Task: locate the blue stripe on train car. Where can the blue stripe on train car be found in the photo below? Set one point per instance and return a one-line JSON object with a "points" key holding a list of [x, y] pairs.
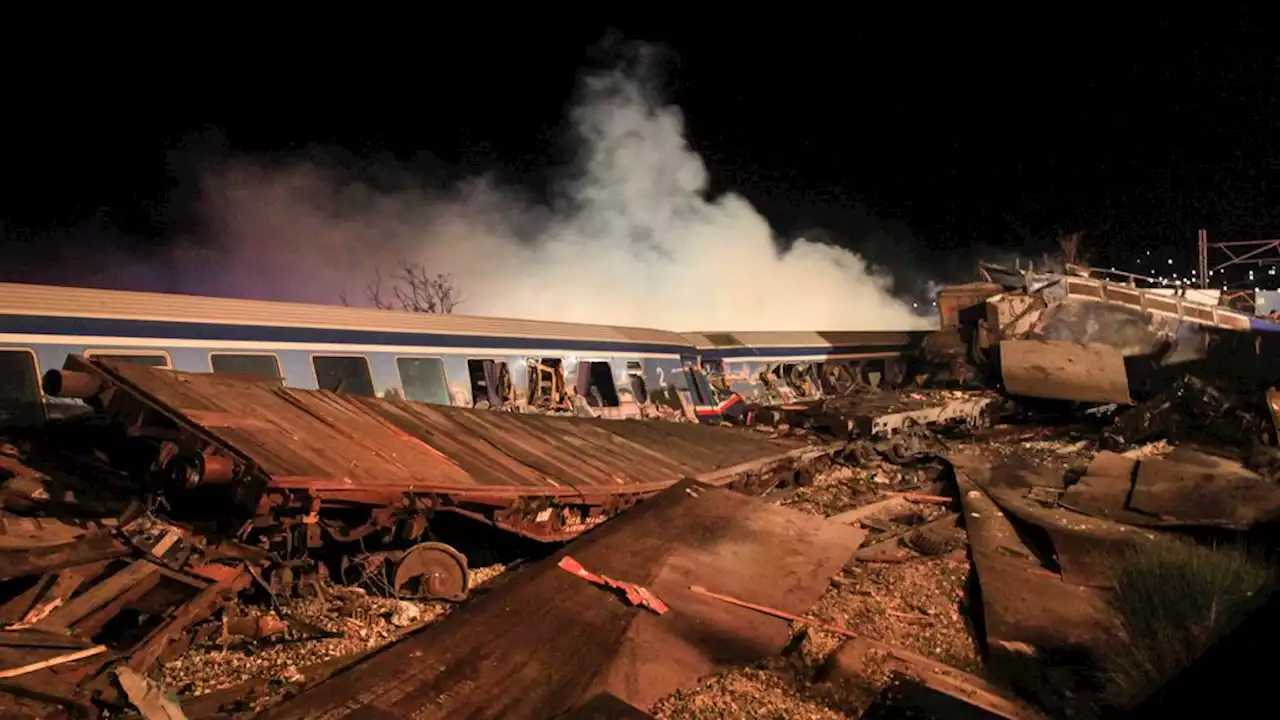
{"points": [[38, 325], [1264, 325]]}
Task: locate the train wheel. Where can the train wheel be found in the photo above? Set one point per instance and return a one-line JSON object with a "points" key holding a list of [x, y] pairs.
{"points": [[432, 571]]}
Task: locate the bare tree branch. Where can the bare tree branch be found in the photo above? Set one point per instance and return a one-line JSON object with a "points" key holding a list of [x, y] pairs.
{"points": [[414, 289]]}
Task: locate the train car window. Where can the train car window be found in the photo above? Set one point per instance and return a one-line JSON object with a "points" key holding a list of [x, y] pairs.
{"points": [[150, 360], [490, 383], [20, 402], [266, 366], [344, 373], [423, 379], [595, 383]]}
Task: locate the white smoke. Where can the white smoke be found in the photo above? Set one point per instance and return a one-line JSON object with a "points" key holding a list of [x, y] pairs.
{"points": [[637, 240]]}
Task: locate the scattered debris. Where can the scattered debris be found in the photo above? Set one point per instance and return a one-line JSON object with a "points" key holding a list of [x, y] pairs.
{"points": [[587, 643], [214, 545]]}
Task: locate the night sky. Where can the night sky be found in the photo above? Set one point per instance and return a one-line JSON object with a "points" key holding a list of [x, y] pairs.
{"points": [[975, 153]]}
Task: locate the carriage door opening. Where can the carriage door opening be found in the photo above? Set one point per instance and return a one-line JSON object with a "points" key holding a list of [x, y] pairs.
{"points": [[697, 382], [490, 383], [546, 383], [595, 383], [717, 381], [20, 403], [635, 373]]}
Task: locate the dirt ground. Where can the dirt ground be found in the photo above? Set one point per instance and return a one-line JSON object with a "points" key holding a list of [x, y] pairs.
{"points": [[345, 622], [919, 604]]}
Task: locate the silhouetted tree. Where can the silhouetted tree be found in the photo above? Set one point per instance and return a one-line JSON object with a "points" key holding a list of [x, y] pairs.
{"points": [[414, 289], [1070, 251]]}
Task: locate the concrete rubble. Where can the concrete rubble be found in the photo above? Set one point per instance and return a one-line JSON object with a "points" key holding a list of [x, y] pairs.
{"points": [[949, 548]]}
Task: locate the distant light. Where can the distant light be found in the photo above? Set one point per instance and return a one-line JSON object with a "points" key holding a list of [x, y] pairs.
{"points": [[1170, 261]]}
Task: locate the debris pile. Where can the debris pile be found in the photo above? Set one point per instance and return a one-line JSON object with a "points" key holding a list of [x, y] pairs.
{"points": [[217, 546], [229, 541]]}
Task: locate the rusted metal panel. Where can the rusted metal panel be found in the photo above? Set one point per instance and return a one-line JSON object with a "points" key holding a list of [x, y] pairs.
{"points": [[565, 640], [1062, 370], [955, 300], [282, 447]]}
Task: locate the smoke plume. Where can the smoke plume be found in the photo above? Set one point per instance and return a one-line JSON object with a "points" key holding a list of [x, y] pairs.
{"points": [[634, 238]]}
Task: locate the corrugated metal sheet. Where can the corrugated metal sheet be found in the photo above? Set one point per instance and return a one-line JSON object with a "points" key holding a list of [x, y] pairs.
{"points": [[545, 640], [325, 442], [22, 299]]}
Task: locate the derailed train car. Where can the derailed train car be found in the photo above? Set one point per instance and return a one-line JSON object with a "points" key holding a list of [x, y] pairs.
{"points": [[495, 363], [1082, 336], [774, 368]]}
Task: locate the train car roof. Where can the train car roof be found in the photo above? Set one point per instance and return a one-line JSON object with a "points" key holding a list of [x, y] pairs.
{"points": [[57, 301], [799, 339]]}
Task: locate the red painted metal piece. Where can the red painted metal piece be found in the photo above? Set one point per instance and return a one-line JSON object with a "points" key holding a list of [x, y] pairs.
{"points": [[636, 594]]}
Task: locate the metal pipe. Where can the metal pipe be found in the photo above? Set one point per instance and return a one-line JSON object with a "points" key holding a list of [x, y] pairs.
{"points": [[71, 384]]}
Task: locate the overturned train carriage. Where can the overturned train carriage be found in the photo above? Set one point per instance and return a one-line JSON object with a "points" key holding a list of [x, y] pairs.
{"points": [[1082, 337], [298, 472]]}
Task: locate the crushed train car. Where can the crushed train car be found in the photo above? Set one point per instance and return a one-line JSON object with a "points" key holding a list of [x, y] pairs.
{"points": [[294, 470], [1082, 336]]}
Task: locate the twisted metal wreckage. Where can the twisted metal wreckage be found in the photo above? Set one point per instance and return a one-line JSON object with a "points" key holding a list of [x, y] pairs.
{"points": [[250, 483], [183, 489]]}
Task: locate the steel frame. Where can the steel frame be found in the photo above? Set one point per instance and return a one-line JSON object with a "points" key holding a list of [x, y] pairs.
{"points": [[1239, 252]]}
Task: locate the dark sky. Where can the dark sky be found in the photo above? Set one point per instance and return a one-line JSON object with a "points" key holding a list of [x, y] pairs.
{"points": [[966, 147]]}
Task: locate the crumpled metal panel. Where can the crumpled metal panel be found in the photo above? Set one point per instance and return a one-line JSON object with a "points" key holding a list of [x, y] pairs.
{"points": [[1061, 370], [545, 640], [322, 441]]}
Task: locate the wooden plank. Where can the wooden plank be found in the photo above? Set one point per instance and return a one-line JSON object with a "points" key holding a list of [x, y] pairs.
{"points": [[96, 620], [99, 595], [95, 546], [856, 515], [35, 637], [201, 606]]}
